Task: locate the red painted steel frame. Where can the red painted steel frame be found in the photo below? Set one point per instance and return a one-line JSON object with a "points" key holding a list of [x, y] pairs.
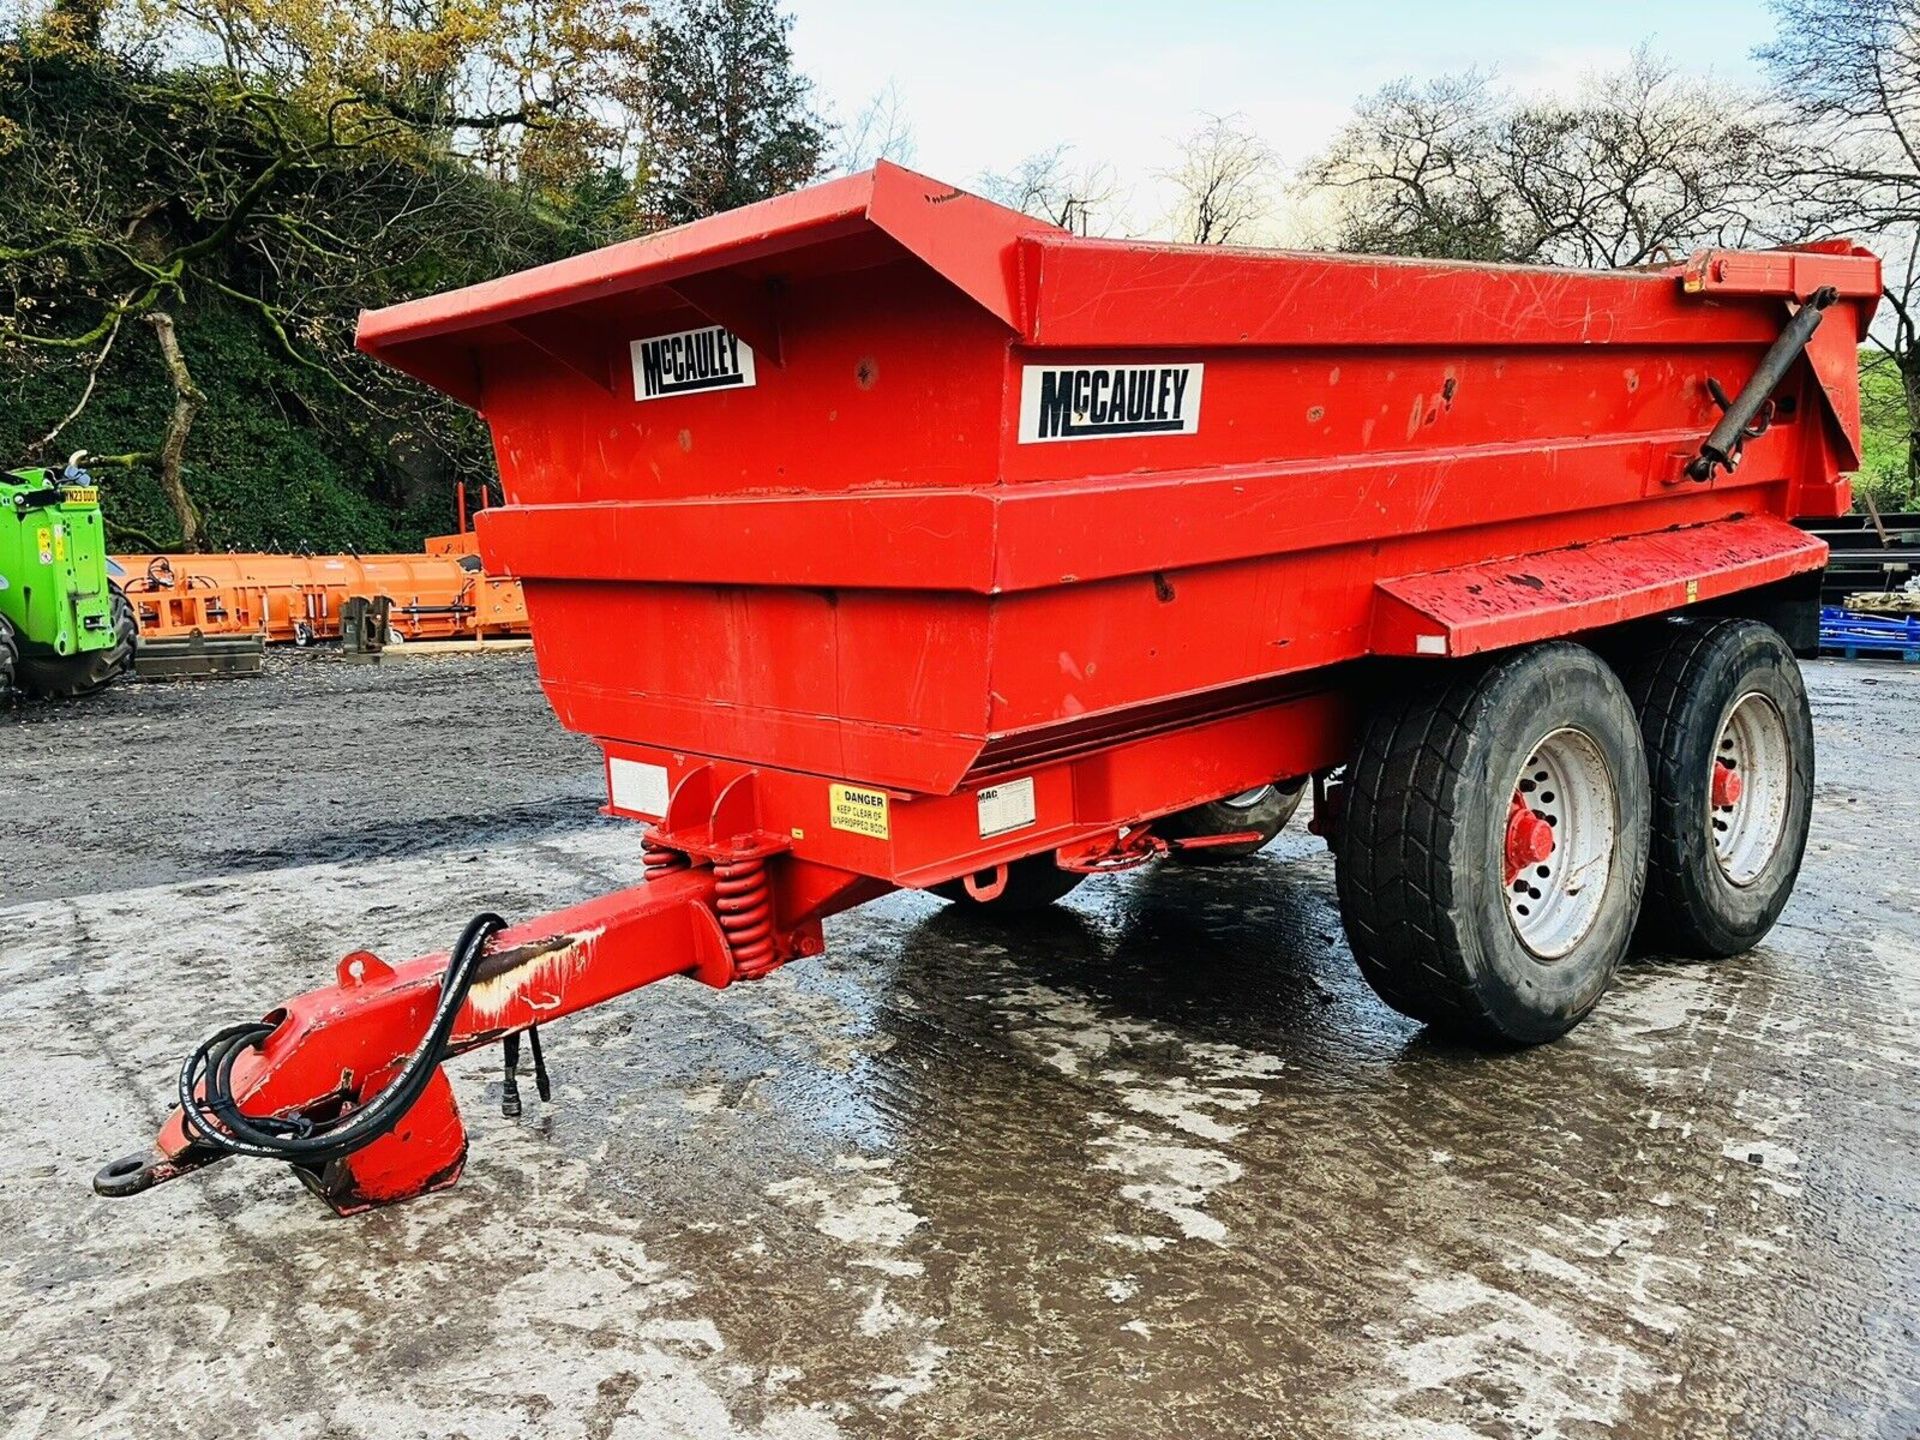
{"points": [[859, 619]]}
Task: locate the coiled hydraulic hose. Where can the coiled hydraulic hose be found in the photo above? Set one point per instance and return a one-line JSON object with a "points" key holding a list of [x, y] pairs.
{"points": [[215, 1118]]}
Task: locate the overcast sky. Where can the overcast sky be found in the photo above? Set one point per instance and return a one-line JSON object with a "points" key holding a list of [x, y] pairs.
{"points": [[989, 82]]}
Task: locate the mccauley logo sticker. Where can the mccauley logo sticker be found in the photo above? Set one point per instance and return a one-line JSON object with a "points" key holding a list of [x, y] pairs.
{"points": [[1104, 402], [711, 358]]}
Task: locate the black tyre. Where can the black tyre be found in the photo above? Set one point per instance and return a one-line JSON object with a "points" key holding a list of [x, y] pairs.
{"points": [[9, 659], [1265, 810], [1729, 741], [1032, 884], [81, 674], [1494, 845]]}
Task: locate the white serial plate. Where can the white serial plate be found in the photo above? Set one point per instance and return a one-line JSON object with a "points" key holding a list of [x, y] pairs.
{"points": [[1006, 807]]}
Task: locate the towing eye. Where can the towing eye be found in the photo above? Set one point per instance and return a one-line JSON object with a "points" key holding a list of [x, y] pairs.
{"points": [[215, 1121]]}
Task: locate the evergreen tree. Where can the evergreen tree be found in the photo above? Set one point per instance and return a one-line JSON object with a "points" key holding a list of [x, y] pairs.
{"points": [[730, 120]]}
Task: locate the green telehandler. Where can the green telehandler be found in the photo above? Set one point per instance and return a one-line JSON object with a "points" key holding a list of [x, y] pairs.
{"points": [[65, 628]]}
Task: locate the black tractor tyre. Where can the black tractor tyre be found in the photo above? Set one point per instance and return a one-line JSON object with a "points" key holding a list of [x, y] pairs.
{"points": [[1266, 811], [1718, 876], [9, 659], [82, 674], [126, 625], [1032, 884], [1422, 863]]}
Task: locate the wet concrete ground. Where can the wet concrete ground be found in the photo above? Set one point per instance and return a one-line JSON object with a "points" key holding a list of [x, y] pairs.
{"points": [[1156, 1165]]}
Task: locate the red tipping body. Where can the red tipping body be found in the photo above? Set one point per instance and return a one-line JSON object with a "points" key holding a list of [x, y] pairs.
{"points": [[992, 498]]}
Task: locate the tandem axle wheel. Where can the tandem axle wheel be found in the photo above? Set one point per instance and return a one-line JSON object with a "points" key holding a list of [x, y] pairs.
{"points": [[1575, 795]]}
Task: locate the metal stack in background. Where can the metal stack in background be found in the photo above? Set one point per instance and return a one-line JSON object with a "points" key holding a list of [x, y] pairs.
{"points": [[1870, 599]]}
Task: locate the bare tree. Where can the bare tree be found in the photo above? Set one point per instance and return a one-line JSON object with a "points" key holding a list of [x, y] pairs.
{"points": [[1640, 164], [1415, 171], [1048, 186], [881, 131], [1850, 70], [1223, 182]]}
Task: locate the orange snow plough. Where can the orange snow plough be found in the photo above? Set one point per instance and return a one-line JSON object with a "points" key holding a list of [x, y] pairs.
{"points": [[442, 594]]}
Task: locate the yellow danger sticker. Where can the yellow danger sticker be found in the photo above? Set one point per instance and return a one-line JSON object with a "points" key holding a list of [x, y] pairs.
{"points": [[854, 808]]}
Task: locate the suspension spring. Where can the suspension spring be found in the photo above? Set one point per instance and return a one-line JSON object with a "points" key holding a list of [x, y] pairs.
{"points": [[660, 860], [744, 904]]}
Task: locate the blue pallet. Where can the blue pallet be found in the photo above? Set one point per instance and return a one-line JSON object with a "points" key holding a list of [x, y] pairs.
{"points": [[1854, 633]]}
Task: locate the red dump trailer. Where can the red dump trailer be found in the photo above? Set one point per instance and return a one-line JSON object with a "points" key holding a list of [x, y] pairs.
{"points": [[884, 537]]}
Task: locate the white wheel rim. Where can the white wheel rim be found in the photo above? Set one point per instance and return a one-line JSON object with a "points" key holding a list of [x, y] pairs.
{"points": [[1247, 799], [1554, 900], [1753, 750]]}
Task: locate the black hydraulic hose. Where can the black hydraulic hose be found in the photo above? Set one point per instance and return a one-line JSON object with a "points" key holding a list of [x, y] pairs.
{"points": [[216, 1120]]}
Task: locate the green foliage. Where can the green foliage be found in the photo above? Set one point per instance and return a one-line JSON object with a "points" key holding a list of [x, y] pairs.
{"points": [[262, 228], [1883, 437], [276, 462], [317, 160]]}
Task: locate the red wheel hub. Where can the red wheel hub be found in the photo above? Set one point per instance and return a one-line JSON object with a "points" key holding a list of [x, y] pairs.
{"points": [[1727, 786], [1529, 839]]}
